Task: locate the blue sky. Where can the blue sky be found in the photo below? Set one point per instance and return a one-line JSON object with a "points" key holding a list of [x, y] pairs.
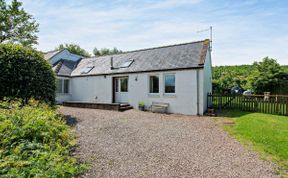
{"points": [[243, 31]]}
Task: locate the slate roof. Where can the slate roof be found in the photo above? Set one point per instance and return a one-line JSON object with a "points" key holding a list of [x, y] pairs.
{"points": [[48, 55], [64, 67], [180, 56]]}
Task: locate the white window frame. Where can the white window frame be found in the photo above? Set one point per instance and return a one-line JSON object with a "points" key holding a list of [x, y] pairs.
{"points": [[87, 69], [62, 86], [154, 94], [164, 80]]}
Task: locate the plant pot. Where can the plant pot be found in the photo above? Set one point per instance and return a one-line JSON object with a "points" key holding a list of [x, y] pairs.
{"points": [[141, 108]]}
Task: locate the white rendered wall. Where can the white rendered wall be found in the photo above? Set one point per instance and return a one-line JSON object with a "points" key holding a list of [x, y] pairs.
{"points": [[92, 88], [184, 101], [60, 98], [207, 79], [99, 89]]}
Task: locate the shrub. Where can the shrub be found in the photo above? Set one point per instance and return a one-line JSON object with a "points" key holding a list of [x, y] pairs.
{"points": [[24, 73], [141, 103], [35, 142]]}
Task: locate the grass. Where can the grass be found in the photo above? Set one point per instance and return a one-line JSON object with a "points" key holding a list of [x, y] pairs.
{"points": [[267, 134]]}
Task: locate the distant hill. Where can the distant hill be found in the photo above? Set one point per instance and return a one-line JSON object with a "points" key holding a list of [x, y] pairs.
{"points": [[225, 77]]}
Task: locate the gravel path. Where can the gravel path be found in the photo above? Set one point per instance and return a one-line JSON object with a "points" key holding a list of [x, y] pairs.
{"points": [[142, 144]]}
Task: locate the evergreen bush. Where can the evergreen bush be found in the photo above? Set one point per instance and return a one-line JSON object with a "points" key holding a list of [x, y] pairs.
{"points": [[24, 73]]}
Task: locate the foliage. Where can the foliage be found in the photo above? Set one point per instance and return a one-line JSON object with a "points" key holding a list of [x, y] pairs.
{"points": [[106, 51], [141, 103], [75, 49], [285, 69], [25, 73], [266, 77], [226, 77], [35, 142], [16, 25], [267, 133]]}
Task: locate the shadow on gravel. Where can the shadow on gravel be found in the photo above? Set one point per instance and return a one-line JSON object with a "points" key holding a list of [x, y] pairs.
{"points": [[71, 121]]}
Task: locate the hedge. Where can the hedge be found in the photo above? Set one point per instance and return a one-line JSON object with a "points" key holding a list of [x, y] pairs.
{"points": [[24, 73]]}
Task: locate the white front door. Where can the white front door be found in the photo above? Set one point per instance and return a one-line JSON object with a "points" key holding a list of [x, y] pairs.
{"points": [[121, 90]]}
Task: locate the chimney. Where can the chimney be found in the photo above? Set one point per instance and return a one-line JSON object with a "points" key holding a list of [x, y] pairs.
{"points": [[111, 63]]}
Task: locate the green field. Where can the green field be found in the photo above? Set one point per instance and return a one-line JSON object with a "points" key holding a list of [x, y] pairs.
{"points": [[267, 134]]}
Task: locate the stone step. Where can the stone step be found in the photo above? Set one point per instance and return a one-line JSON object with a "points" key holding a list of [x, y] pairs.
{"points": [[125, 107], [124, 104]]}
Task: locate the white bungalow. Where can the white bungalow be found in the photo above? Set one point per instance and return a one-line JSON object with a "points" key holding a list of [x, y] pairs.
{"points": [[179, 75]]}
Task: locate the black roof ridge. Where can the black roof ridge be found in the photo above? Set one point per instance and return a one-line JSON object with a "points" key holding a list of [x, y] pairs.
{"points": [[146, 49]]}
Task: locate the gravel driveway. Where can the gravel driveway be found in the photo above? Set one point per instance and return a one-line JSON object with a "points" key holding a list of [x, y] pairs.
{"points": [[142, 144]]}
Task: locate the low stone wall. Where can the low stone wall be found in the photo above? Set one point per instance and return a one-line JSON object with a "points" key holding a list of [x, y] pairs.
{"points": [[80, 104]]}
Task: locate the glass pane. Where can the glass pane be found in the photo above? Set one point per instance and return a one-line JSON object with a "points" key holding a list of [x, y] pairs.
{"points": [[127, 64], [58, 85], [154, 84], [124, 84], [87, 69], [169, 83], [66, 86]]}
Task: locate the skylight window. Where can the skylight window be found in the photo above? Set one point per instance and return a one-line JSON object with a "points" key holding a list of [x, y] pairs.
{"points": [[87, 69], [127, 63]]}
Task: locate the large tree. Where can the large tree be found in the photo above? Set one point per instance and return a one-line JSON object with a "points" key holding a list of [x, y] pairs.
{"points": [[266, 78], [106, 51], [74, 48], [16, 25]]}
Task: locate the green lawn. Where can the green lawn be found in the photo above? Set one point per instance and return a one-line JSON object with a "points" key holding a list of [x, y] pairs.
{"points": [[267, 134]]}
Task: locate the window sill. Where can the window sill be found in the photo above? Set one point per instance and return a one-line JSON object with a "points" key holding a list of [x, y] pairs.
{"points": [[169, 95], [154, 95]]}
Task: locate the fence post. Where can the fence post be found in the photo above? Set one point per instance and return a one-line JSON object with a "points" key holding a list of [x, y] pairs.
{"points": [[277, 109], [256, 104], [287, 106], [207, 101], [220, 106]]}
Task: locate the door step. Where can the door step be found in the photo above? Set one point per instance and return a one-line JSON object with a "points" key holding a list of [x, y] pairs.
{"points": [[124, 107]]}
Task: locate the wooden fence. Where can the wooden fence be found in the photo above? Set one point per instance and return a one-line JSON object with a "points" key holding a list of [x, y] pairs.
{"points": [[272, 104]]}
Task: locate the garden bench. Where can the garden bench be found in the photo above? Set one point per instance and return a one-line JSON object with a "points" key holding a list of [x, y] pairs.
{"points": [[159, 107]]}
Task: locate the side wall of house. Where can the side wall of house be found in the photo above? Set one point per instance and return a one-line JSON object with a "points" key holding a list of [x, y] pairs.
{"points": [[99, 89], [207, 85]]}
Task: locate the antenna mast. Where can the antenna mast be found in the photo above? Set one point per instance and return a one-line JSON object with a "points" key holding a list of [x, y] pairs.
{"points": [[210, 38], [205, 30]]}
